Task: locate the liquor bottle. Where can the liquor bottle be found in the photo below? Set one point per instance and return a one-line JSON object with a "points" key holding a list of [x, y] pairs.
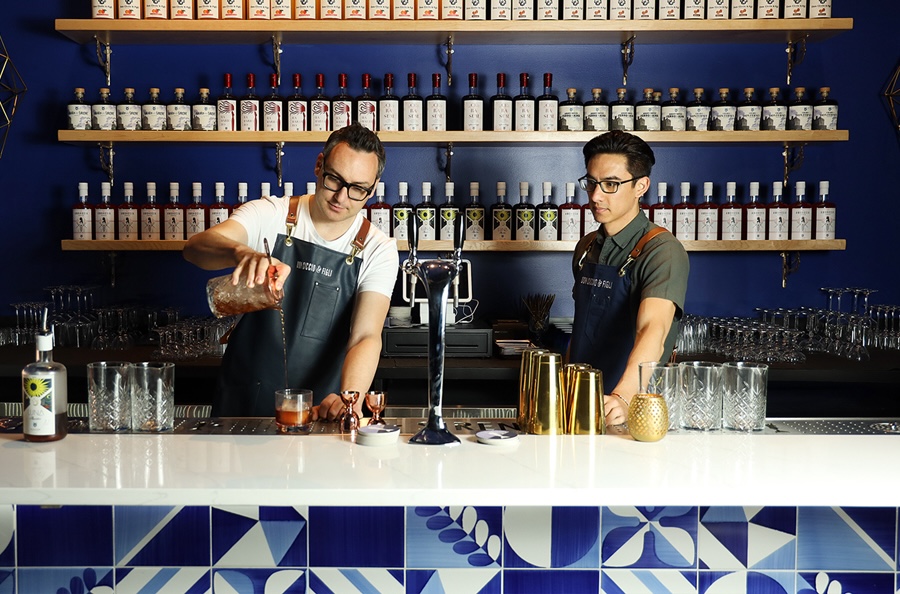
{"points": [[341, 105], [78, 111], [473, 107], [473, 215], [127, 215], [203, 112], [436, 107], [755, 216], [411, 105], [587, 216], [571, 112], [242, 194], [749, 112], [825, 111], [197, 214], [389, 107], [570, 216], [320, 107], [548, 107], [774, 112], [44, 391], [825, 214], [178, 113], [273, 107], [673, 113], [151, 223], [661, 213], [297, 108], [523, 106], [128, 112], [103, 112], [82, 215], [596, 112], [380, 211], [524, 215], [800, 111], [722, 113], [226, 108], [249, 106], [426, 214], [685, 215], [621, 112], [547, 215], [104, 215], [402, 213], [801, 214], [367, 105], [220, 210], [697, 112], [501, 107], [779, 214], [501, 215], [153, 112], [448, 215], [708, 215], [731, 215], [173, 215], [647, 113]]}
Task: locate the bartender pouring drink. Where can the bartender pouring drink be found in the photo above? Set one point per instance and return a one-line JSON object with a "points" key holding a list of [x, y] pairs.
{"points": [[337, 273], [630, 275]]}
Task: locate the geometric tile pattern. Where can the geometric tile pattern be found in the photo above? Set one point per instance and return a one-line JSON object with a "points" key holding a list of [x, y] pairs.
{"points": [[352, 581], [250, 536], [88, 541], [747, 537], [259, 581], [650, 537], [162, 536], [557, 537], [43, 580], [7, 537], [172, 580], [847, 538], [345, 537], [657, 581], [844, 583], [746, 582], [464, 536], [462, 581]]}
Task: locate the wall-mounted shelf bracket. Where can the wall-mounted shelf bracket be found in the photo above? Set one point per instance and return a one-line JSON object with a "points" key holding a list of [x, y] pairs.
{"points": [[446, 164], [627, 58], [107, 156], [279, 156], [276, 57], [796, 51], [104, 54], [793, 159], [448, 62], [790, 263]]}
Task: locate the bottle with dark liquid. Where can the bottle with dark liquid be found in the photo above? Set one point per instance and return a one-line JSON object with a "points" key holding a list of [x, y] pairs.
{"points": [[320, 107], [448, 214], [647, 113], [673, 113], [203, 112], [436, 107], [297, 108], [825, 213], [44, 392], [178, 112], [779, 214], [547, 215], [523, 106], [389, 107], [128, 112], [226, 108], [473, 107], [426, 213], [78, 111], [151, 220], [749, 112], [570, 216], [412, 106], [800, 111], [825, 111], [661, 213], [722, 113], [708, 215], [220, 210], [501, 215], [401, 213], [685, 215], [548, 107], [621, 112], [380, 211], [755, 215], [571, 112], [731, 215], [587, 216], [774, 112], [103, 112], [524, 216], [153, 112], [501, 107], [173, 215], [801, 214], [127, 215], [273, 107], [104, 215], [249, 107], [697, 112], [341, 105], [473, 215], [596, 112], [82, 215], [367, 105], [197, 214]]}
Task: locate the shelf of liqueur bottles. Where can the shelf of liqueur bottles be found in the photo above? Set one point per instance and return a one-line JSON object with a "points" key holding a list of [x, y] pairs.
{"points": [[456, 137], [492, 246], [463, 32]]}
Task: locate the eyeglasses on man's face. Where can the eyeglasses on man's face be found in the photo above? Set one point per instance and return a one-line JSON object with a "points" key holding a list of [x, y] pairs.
{"points": [[607, 186], [336, 183]]}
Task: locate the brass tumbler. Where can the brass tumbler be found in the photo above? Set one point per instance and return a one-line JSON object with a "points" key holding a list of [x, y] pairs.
{"points": [[545, 403], [584, 401], [526, 381], [648, 417]]}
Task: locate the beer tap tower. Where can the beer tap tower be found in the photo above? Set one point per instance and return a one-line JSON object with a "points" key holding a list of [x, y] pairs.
{"points": [[436, 276]]}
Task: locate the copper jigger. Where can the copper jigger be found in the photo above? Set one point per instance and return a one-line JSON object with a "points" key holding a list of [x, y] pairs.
{"points": [[526, 377], [546, 415], [648, 417], [586, 415]]}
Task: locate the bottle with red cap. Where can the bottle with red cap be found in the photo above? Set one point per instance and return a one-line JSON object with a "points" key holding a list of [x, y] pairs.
{"points": [[501, 106], [412, 107], [473, 107], [436, 107], [320, 107], [273, 107], [389, 107], [297, 108], [523, 106], [249, 107], [226, 108], [548, 107], [341, 105], [366, 106]]}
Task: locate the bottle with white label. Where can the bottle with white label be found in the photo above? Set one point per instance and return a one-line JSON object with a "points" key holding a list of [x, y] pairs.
{"points": [[103, 112], [380, 212], [795, 9], [242, 194], [742, 9], [749, 112], [130, 9], [673, 113], [501, 107], [774, 112], [694, 9], [647, 113], [426, 213], [523, 106], [436, 107], [297, 108], [273, 107], [153, 112], [621, 112], [82, 215], [341, 105], [755, 216], [127, 214], [768, 9], [669, 9], [825, 214], [448, 214], [501, 215], [547, 107], [151, 222], [708, 215], [208, 9], [779, 214], [128, 112], [402, 213], [45, 401], [79, 111], [259, 10], [249, 107], [801, 214], [661, 213], [366, 105], [717, 9], [722, 113], [311, 188], [644, 10], [571, 112], [570, 216], [233, 9], [524, 215], [104, 215], [178, 112], [685, 215], [818, 9], [474, 215], [197, 214], [220, 210], [596, 112], [697, 112], [825, 111], [203, 112], [547, 215], [731, 215], [173, 215], [265, 189], [620, 10], [389, 107], [182, 10], [411, 106], [800, 111], [156, 9], [473, 107], [226, 108], [320, 107]]}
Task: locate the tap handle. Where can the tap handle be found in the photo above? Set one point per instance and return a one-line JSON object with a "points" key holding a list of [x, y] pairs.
{"points": [[413, 234], [459, 235]]}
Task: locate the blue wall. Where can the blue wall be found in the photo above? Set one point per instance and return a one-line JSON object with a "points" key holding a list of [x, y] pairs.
{"points": [[39, 176]]}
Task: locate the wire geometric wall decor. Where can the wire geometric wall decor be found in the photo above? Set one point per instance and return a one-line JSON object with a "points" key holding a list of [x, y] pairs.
{"points": [[11, 87], [892, 94]]}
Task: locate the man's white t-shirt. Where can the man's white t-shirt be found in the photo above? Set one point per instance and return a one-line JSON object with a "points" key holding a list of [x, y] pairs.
{"points": [[265, 218]]}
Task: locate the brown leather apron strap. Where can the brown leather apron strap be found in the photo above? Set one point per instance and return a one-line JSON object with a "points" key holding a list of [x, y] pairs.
{"points": [[640, 247], [290, 221], [359, 242]]}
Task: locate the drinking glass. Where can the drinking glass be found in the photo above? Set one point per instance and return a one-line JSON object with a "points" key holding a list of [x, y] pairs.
{"points": [[293, 410], [153, 397], [744, 395], [663, 379], [376, 401], [109, 396], [701, 395]]}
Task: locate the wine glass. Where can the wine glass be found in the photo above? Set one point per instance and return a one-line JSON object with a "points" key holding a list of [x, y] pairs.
{"points": [[376, 400]]}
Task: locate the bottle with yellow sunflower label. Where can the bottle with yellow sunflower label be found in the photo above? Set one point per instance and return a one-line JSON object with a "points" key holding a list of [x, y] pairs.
{"points": [[44, 393]]}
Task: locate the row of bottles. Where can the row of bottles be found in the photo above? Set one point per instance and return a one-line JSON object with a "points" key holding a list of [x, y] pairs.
{"points": [[412, 112], [754, 220], [459, 9]]}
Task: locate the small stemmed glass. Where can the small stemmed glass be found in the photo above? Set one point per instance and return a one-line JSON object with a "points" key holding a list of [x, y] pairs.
{"points": [[349, 420], [375, 400]]}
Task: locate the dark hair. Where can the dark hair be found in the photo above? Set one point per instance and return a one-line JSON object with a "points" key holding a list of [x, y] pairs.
{"points": [[359, 138], [638, 154]]}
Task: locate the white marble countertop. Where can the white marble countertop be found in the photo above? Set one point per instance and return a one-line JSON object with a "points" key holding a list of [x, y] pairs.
{"points": [[719, 468]]}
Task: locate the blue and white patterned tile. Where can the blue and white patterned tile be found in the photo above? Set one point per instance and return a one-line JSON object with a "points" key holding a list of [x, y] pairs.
{"points": [[551, 537], [259, 581], [540, 581], [845, 583], [7, 536], [746, 582], [162, 536], [88, 541], [7, 581], [649, 537], [846, 539], [356, 536], [648, 581], [457, 581], [171, 580], [747, 537], [253, 536], [69, 580], [355, 581], [463, 536]]}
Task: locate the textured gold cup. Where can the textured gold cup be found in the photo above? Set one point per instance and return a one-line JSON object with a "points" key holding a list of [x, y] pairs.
{"points": [[648, 417], [526, 381], [586, 415], [546, 415]]}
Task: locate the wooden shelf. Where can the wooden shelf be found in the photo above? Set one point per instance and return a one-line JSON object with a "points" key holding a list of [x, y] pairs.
{"points": [[71, 245], [463, 32]]}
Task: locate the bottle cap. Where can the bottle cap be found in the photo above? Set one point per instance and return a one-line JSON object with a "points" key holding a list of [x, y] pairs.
{"points": [[648, 91], [501, 188], [411, 79], [128, 188], [82, 188], [571, 91], [296, 79], [320, 80], [596, 91], [220, 188], [204, 91], [448, 189], [754, 188], [523, 79], [724, 91], [173, 188], [730, 188], [823, 187], [366, 80], [547, 188], [273, 80], [570, 188], [774, 90], [403, 188], [777, 188], [799, 90], [501, 79], [151, 188], [154, 90], [426, 188], [674, 90], [707, 188], [474, 188], [548, 79], [749, 90], [242, 188], [310, 187], [473, 79], [265, 189], [43, 341], [825, 89], [662, 188], [621, 90], [379, 190], [288, 188], [227, 79], [342, 79], [130, 90], [104, 90], [179, 91], [685, 188], [800, 187], [523, 188], [698, 91], [79, 90], [104, 188], [197, 188], [251, 80], [388, 80]]}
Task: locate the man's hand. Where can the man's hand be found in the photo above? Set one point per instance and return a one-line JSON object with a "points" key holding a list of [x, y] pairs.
{"points": [[332, 406], [253, 269]]}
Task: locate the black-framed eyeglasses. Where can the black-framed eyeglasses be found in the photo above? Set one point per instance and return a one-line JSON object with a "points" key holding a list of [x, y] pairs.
{"points": [[607, 186], [355, 192]]}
